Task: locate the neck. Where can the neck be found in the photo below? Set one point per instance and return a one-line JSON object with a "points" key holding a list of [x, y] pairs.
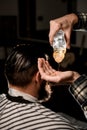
{"points": [[13, 93], [29, 89]]}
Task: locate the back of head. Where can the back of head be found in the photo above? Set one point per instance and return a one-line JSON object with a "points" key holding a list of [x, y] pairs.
{"points": [[21, 64]]}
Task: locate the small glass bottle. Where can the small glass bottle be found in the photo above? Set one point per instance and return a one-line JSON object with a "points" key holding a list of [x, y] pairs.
{"points": [[59, 46]]}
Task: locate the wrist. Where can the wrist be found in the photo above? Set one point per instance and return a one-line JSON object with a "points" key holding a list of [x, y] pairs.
{"points": [[76, 75], [74, 18]]}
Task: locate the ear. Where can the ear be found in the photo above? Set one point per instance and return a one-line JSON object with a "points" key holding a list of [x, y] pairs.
{"points": [[38, 77]]}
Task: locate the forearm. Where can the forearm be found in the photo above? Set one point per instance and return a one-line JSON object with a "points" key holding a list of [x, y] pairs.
{"points": [[79, 91]]}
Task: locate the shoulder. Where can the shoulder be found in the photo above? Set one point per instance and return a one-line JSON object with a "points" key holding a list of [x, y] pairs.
{"points": [[2, 97]]}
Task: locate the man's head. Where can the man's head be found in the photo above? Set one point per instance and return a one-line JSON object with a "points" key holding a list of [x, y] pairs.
{"points": [[21, 65]]}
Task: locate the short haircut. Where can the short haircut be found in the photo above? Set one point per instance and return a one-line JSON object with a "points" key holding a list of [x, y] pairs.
{"points": [[21, 64]]}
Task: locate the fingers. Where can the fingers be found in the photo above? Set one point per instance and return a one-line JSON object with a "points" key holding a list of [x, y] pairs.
{"points": [[67, 38], [41, 65], [46, 71], [44, 67], [49, 68], [54, 27]]}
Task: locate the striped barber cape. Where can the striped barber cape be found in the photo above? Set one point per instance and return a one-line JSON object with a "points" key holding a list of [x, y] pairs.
{"points": [[19, 114]]}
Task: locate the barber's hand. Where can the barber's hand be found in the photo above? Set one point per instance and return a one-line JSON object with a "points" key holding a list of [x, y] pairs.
{"points": [[66, 24], [51, 75]]}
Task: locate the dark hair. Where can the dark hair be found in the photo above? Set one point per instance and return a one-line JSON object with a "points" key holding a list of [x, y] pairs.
{"points": [[21, 64]]}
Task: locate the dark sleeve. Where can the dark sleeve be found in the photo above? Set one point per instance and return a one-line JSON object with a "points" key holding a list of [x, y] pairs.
{"points": [[82, 21], [79, 91]]}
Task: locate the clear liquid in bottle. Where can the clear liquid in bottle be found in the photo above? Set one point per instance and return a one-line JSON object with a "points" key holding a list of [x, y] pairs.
{"points": [[59, 46]]}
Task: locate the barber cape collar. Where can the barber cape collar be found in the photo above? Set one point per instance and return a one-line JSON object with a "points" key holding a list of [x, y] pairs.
{"points": [[17, 96]]}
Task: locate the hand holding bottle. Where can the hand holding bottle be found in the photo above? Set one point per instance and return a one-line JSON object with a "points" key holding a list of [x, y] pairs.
{"points": [[65, 23]]}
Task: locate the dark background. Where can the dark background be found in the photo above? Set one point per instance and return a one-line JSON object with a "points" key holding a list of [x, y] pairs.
{"points": [[27, 21]]}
